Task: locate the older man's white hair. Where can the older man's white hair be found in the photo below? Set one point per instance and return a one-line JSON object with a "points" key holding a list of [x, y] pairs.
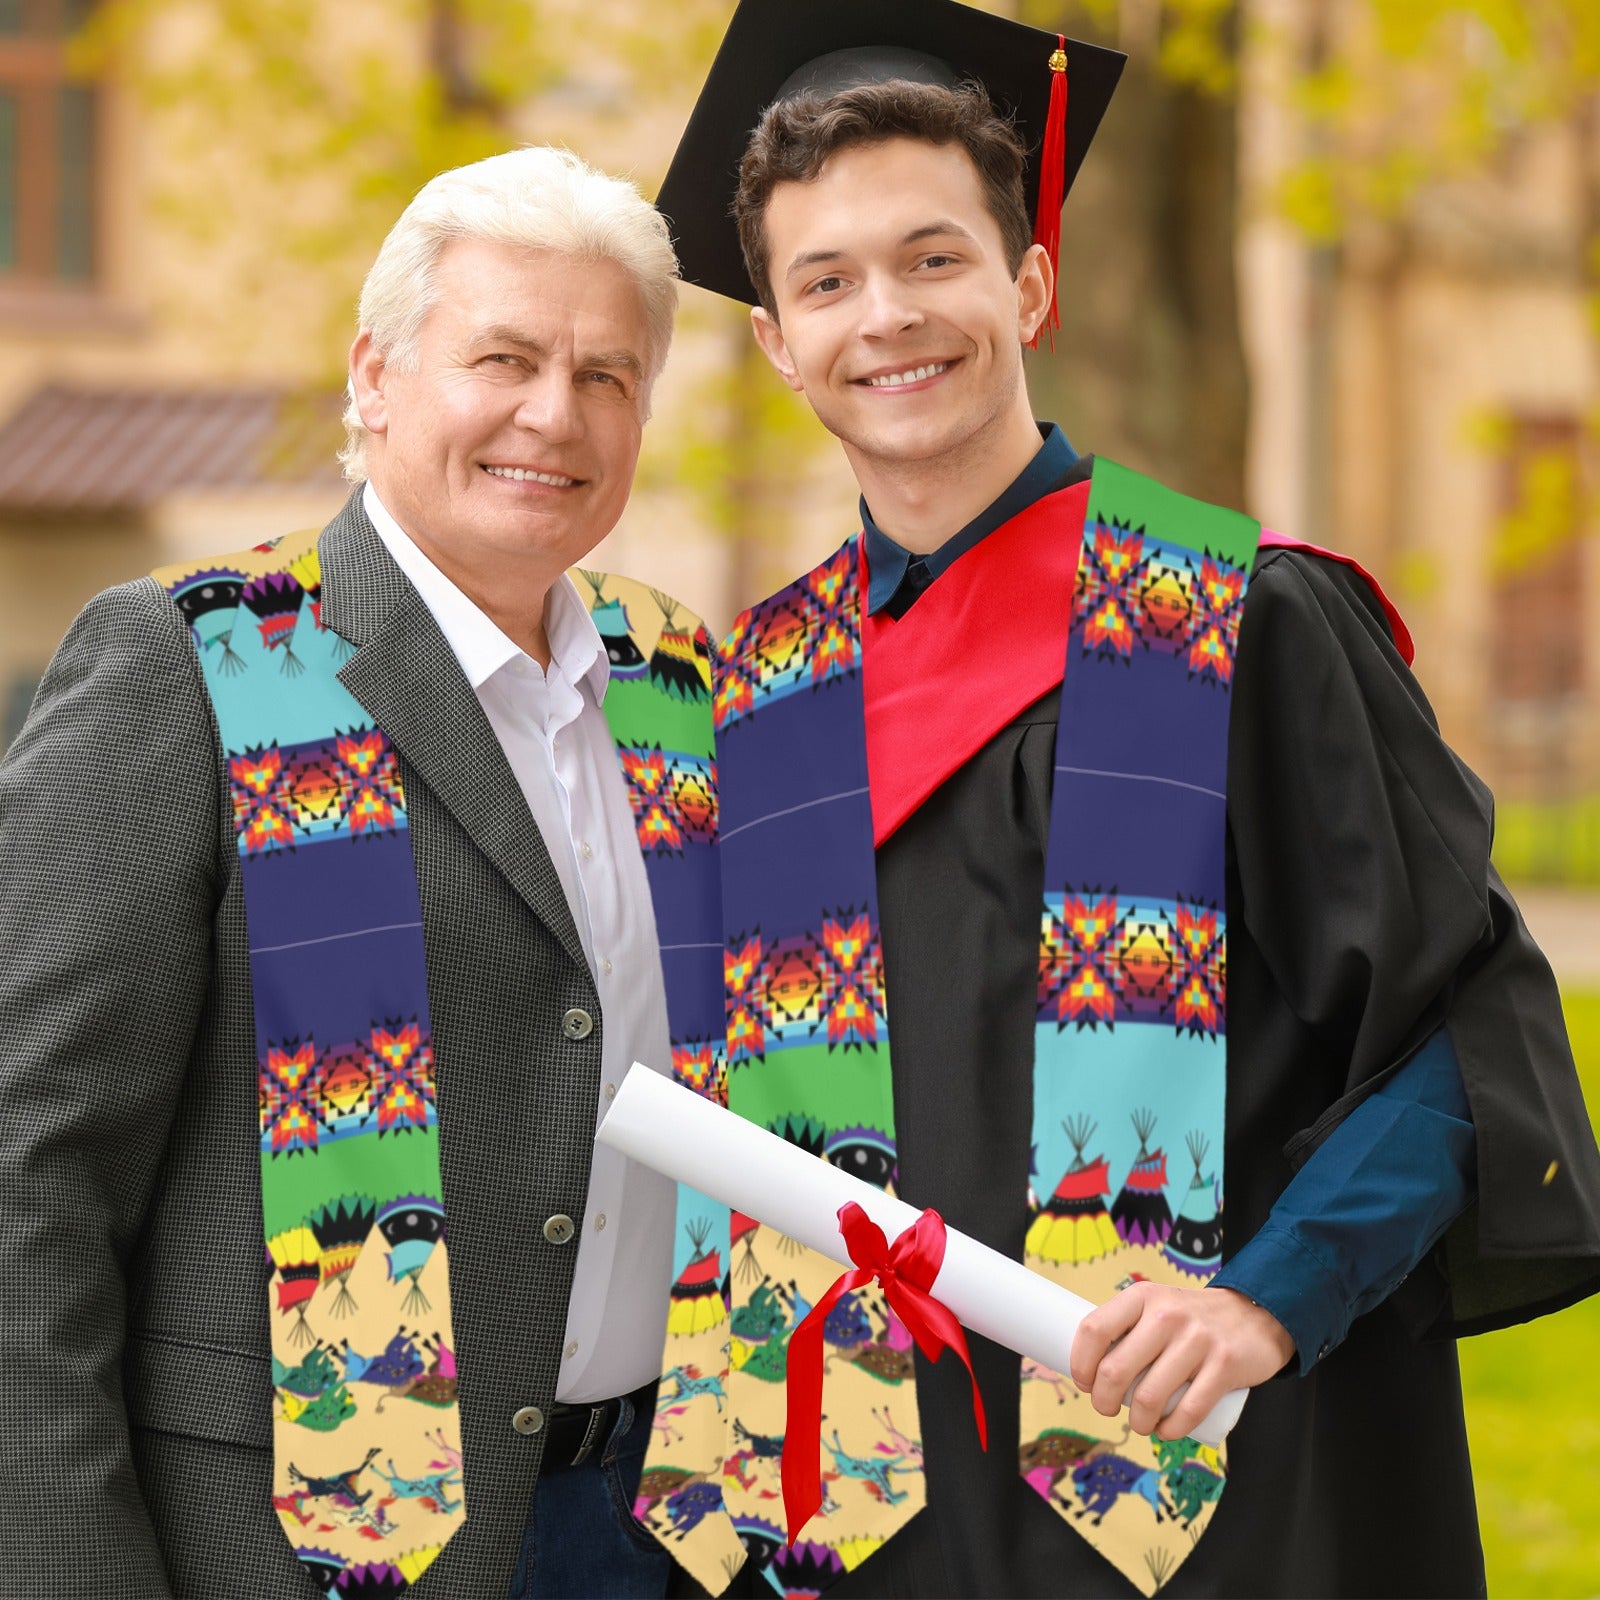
{"points": [[538, 197]]}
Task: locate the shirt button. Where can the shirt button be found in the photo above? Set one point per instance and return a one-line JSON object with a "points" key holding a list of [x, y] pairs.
{"points": [[559, 1229], [577, 1023], [530, 1419], [611, 1091], [588, 851], [600, 1223], [572, 1350], [607, 968]]}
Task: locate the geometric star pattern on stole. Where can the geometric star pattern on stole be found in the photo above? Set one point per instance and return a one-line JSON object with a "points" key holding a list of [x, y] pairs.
{"points": [[348, 785], [701, 1065], [673, 797], [1159, 594], [789, 990], [306, 1096], [800, 638], [1133, 591], [1201, 987], [291, 1120], [403, 1095], [1104, 960], [262, 811]]}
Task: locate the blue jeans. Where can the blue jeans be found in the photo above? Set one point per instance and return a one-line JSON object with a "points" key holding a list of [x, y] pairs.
{"points": [[582, 1541]]}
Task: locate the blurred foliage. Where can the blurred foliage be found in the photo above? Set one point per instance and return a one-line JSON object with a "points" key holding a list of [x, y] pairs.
{"points": [[1395, 95], [1549, 842], [326, 137], [1533, 1422], [1553, 501], [1551, 504], [327, 119], [1416, 575], [1195, 42]]}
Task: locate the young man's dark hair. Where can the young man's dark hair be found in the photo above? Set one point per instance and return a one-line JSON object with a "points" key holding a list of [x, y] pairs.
{"points": [[796, 137]]}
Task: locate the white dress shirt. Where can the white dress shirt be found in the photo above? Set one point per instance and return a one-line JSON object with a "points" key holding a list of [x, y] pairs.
{"points": [[554, 734]]}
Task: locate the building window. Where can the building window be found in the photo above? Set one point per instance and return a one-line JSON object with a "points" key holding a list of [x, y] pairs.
{"points": [[48, 137], [1537, 560]]}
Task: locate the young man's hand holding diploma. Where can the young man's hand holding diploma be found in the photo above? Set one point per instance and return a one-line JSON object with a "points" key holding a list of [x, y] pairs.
{"points": [[1212, 1339]]}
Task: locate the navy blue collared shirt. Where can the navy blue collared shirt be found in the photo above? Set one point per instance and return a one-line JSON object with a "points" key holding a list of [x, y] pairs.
{"points": [[1379, 1192], [897, 577]]}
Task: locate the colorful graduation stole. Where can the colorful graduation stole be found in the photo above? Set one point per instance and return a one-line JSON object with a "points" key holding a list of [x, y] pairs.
{"points": [[367, 1475], [1131, 1037], [674, 796], [367, 1441], [1130, 1030]]}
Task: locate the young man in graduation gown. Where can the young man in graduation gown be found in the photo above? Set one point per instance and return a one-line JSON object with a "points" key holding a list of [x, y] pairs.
{"points": [[1126, 832], [326, 878]]}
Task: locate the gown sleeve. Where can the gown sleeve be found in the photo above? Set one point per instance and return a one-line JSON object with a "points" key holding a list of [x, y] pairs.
{"points": [[1360, 844]]}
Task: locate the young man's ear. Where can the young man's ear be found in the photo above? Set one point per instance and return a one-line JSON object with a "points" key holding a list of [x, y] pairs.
{"points": [[1036, 283], [774, 347], [366, 383]]}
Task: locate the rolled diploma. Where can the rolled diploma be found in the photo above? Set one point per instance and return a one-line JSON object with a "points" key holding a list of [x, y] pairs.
{"points": [[684, 1136]]}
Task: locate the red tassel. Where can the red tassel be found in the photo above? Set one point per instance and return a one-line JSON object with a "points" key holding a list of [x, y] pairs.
{"points": [[1052, 183]]}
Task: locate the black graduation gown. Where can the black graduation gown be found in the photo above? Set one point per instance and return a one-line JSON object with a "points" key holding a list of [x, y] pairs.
{"points": [[1363, 911]]}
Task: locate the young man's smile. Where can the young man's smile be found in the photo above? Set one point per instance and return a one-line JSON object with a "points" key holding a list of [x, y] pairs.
{"points": [[904, 380]]}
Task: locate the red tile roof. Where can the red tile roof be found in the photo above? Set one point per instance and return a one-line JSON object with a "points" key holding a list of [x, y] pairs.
{"points": [[88, 450]]}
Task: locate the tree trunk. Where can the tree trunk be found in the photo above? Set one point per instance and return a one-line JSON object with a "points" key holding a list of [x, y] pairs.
{"points": [[1148, 367]]}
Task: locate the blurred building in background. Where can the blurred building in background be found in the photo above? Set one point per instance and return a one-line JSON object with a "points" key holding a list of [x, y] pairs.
{"points": [[175, 308], [191, 189], [123, 444], [1426, 396]]}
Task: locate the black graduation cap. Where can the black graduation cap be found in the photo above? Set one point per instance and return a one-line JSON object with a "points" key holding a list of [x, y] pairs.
{"points": [[777, 48]]}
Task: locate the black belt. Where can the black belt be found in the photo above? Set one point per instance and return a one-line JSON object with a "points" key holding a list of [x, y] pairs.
{"points": [[574, 1433]]}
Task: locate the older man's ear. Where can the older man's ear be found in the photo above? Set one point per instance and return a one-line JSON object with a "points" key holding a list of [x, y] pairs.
{"points": [[366, 380]]}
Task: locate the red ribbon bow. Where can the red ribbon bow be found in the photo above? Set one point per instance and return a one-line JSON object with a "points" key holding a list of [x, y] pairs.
{"points": [[907, 1270]]}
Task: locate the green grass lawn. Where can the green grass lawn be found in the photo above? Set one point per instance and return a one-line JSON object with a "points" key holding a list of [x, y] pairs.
{"points": [[1533, 1413]]}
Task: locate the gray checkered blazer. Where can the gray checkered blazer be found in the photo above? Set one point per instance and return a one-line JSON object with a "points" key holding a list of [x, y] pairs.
{"points": [[133, 1291]]}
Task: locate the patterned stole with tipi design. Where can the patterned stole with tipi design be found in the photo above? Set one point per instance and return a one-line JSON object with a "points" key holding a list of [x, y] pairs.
{"points": [[367, 1479], [367, 1476], [1129, 1040], [1130, 1037]]}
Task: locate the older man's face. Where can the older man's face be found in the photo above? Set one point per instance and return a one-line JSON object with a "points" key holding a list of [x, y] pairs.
{"points": [[511, 447]]}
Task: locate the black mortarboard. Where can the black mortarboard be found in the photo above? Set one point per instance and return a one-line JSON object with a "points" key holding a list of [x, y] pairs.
{"points": [[777, 48]]}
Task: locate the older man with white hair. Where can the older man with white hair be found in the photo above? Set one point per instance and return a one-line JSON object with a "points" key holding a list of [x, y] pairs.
{"points": [[340, 880]]}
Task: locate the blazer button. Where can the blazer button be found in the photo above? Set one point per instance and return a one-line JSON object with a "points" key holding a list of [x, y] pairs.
{"points": [[577, 1024], [560, 1229], [530, 1419]]}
